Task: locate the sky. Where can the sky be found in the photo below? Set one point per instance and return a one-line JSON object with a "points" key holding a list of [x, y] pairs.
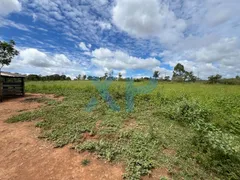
{"points": [[134, 37]]}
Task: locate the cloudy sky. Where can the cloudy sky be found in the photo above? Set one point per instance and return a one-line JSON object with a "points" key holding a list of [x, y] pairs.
{"points": [[134, 37]]}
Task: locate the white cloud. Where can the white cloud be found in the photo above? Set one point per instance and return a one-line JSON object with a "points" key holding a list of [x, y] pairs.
{"points": [[220, 11], [8, 23], [163, 71], [102, 2], [34, 16], [98, 72], [9, 6], [34, 61], [83, 46], [104, 25], [222, 57], [87, 53], [35, 58], [119, 60], [148, 18], [226, 51]]}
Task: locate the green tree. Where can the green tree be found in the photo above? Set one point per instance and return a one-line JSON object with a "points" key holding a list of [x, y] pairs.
{"points": [[189, 76], [90, 78], [167, 78], [179, 73], [7, 53], [111, 74], [237, 77], [84, 77], [214, 79], [156, 74], [105, 76], [119, 75], [79, 77]]}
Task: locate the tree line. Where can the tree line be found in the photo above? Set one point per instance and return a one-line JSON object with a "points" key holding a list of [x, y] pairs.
{"points": [[181, 75], [54, 77]]}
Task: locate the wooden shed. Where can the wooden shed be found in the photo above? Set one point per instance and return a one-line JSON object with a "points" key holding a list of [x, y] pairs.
{"points": [[11, 84]]}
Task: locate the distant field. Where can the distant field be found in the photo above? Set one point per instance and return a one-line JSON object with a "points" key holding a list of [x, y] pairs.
{"points": [[193, 130]]}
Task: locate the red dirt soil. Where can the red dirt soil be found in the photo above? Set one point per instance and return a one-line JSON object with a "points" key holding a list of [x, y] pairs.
{"points": [[25, 157]]}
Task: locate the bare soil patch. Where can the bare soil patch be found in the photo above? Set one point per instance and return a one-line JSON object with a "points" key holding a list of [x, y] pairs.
{"points": [[169, 152], [25, 157], [157, 174], [130, 124]]}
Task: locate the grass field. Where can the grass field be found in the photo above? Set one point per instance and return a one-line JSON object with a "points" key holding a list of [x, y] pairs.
{"points": [[193, 130]]}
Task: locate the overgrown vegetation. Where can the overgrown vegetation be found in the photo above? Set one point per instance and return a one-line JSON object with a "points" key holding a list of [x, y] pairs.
{"points": [[200, 122]]}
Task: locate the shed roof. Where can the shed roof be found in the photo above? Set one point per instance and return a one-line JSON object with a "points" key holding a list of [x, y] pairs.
{"points": [[8, 74]]}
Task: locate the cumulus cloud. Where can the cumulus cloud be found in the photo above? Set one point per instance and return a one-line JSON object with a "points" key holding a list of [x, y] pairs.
{"points": [[221, 57], [32, 60], [148, 18], [220, 11], [163, 71], [35, 58], [9, 6], [225, 51], [119, 60]]}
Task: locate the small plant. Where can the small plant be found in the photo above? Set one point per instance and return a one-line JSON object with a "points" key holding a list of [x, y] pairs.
{"points": [[163, 178], [85, 162]]}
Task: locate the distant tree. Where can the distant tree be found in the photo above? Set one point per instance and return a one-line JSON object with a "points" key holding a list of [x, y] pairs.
{"points": [[54, 77], [189, 76], [79, 77], [214, 79], [146, 78], [63, 77], [179, 70], [179, 73], [156, 74], [7, 53], [111, 74], [105, 76], [84, 77], [33, 77], [90, 78], [119, 75], [167, 78], [237, 77]]}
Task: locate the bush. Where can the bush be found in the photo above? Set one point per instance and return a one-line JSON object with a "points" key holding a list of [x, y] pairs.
{"points": [[186, 112]]}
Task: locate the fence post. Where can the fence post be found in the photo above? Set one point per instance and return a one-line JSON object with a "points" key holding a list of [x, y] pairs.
{"points": [[23, 87], [1, 89]]}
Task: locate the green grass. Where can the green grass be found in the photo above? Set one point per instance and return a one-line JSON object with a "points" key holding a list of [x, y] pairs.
{"points": [[200, 122], [85, 162]]}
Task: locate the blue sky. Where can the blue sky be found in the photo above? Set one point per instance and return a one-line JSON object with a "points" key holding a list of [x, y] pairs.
{"points": [[134, 37]]}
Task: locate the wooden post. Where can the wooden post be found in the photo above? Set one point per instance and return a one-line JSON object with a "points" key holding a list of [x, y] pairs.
{"points": [[1, 90], [23, 88]]}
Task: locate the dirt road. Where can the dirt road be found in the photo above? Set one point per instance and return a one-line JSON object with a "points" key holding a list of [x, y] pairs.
{"points": [[25, 157]]}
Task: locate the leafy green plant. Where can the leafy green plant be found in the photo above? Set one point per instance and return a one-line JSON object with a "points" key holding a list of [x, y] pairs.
{"points": [[85, 162]]}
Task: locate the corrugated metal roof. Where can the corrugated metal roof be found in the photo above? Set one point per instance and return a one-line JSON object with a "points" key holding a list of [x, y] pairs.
{"points": [[8, 74]]}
